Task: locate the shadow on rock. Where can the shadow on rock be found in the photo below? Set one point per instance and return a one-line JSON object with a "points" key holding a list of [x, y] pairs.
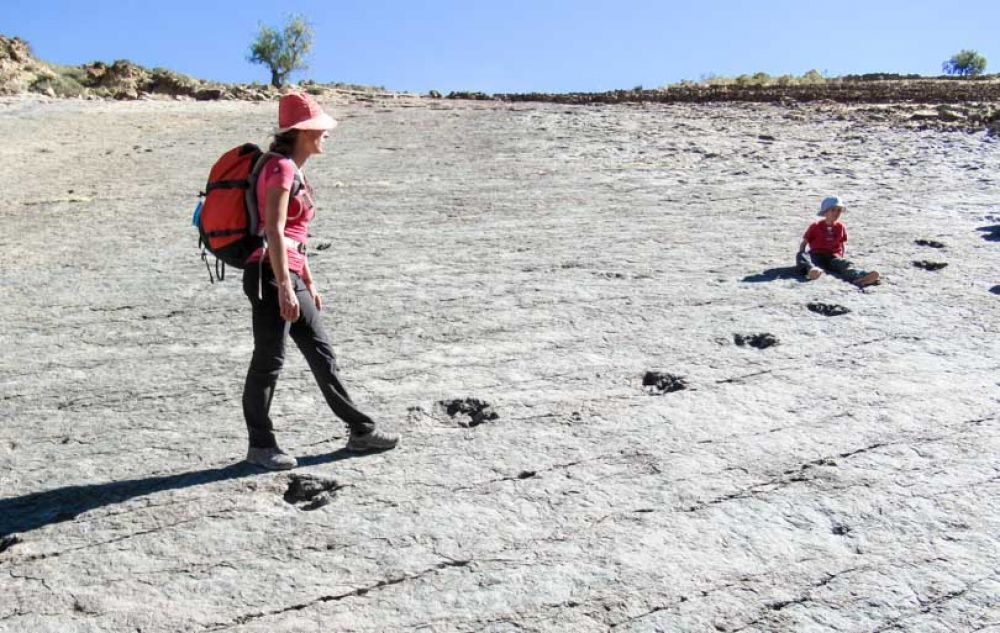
{"points": [[658, 383], [827, 309], [929, 243], [311, 491], [991, 233], [927, 265], [468, 412], [774, 274], [757, 341], [38, 509]]}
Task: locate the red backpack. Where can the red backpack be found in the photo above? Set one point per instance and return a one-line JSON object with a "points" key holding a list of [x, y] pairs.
{"points": [[227, 219]]}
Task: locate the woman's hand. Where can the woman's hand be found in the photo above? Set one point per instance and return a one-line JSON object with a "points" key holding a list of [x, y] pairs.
{"points": [[314, 294], [288, 304]]}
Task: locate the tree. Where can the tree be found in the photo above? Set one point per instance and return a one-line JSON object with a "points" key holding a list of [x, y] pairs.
{"points": [[283, 53], [968, 63]]}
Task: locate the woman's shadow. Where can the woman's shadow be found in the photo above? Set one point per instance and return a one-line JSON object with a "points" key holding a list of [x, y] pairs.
{"points": [[38, 509]]}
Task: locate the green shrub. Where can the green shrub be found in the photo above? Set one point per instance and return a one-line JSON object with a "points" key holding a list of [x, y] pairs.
{"points": [[761, 79], [165, 81], [967, 63], [813, 77], [64, 81]]}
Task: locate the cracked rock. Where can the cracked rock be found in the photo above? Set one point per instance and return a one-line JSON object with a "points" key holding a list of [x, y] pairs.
{"points": [[469, 412], [310, 490], [827, 309], [928, 265], [929, 243], [658, 383], [758, 341]]}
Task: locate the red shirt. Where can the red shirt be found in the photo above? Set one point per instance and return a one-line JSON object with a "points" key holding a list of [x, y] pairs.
{"points": [[279, 173], [826, 238]]}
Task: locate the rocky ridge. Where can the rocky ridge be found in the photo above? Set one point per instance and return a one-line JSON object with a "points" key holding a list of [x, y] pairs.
{"points": [[22, 73]]}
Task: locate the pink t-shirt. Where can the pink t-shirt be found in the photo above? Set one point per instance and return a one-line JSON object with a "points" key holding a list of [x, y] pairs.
{"points": [[279, 173]]}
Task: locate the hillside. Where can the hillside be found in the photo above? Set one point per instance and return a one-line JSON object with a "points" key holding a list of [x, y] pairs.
{"points": [[22, 73]]}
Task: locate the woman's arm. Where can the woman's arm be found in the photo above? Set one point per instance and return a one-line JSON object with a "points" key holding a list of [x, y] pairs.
{"points": [[275, 215], [310, 286]]}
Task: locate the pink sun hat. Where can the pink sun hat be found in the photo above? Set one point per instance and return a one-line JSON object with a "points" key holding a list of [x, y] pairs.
{"points": [[298, 111]]}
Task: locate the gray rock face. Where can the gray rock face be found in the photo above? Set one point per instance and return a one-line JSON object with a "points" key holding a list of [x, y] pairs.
{"points": [[539, 258]]}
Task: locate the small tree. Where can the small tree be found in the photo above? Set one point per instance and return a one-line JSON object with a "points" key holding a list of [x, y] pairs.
{"points": [[813, 77], [283, 53], [967, 63]]}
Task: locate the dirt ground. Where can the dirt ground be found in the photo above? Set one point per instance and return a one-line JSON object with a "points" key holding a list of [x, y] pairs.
{"points": [[542, 259]]}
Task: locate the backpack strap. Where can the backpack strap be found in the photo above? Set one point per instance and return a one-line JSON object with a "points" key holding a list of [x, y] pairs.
{"points": [[298, 184]]}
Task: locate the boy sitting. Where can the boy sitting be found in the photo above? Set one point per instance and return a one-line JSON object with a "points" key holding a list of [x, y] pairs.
{"points": [[826, 239]]}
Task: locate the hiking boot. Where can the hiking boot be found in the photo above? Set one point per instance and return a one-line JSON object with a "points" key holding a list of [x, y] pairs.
{"points": [[271, 458], [370, 442], [866, 280], [814, 274]]}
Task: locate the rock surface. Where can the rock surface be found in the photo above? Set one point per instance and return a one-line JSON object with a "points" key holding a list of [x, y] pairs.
{"points": [[540, 258]]}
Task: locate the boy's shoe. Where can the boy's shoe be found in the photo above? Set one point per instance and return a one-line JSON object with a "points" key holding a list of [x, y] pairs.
{"points": [[814, 274], [373, 441], [271, 458], [866, 280]]}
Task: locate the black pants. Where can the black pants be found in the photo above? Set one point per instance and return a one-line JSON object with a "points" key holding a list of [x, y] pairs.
{"points": [[269, 335], [828, 262]]}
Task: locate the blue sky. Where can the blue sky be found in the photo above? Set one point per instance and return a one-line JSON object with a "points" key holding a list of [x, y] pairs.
{"points": [[516, 45]]}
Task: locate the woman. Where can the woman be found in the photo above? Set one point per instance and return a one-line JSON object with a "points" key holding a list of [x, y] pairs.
{"points": [[282, 293]]}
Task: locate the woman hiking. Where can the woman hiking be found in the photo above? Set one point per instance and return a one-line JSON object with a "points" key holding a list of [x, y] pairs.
{"points": [[282, 294]]}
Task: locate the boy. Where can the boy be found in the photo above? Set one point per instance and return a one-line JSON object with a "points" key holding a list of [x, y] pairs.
{"points": [[826, 240]]}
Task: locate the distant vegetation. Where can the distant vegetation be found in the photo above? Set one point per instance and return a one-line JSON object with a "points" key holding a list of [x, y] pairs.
{"points": [[283, 52], [967, 63], [810, 78]]}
